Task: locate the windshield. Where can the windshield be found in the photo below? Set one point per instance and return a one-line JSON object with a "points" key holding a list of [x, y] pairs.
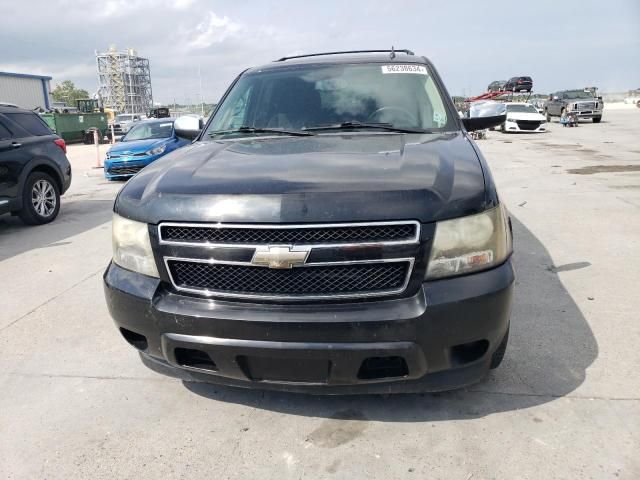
{"points": [[124, 118], [577, 94], [145, 131], [403, 96], [521, 108]]}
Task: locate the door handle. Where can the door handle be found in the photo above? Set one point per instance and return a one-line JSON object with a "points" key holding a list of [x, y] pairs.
{"points": [[15, 145]]}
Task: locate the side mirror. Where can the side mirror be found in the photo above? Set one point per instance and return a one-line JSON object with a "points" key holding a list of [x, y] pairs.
{"points": [[481, 123], [188, 126]]}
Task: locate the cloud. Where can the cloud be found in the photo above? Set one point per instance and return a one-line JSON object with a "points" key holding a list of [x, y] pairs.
{"points": [[213, 29], [181, 4], [181, 36]]}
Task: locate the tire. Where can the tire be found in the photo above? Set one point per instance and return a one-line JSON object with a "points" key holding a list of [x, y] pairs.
{"points": [[597, 119], [498, 355], [40, 199]]}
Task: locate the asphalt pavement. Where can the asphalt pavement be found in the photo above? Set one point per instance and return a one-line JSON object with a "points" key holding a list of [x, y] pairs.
{"points": [[75, 401]]}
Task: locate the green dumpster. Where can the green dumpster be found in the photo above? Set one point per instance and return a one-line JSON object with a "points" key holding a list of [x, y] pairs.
{"points": [[77, 127]]}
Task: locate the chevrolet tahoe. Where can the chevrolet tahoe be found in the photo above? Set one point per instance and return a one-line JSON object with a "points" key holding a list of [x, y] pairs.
{"points": [[331, 229]]}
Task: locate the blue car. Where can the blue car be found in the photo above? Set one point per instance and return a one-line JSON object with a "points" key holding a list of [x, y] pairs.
{"points": [[144, 143]]}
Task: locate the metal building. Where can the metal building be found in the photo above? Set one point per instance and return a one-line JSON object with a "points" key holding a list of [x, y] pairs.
{"points": [[124, 81], [24, 90]]}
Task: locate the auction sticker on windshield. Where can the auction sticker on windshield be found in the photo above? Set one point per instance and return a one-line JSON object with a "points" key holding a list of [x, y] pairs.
{"points": [[419, 69]]}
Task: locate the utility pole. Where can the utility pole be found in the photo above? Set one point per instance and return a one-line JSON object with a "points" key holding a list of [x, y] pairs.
{"points": [[201, 99]]}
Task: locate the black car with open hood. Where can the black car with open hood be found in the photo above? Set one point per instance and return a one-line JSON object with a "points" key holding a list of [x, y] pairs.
{"points": [[332, 229]]}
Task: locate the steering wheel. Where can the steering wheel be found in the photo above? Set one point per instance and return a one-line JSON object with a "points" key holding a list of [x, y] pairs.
{"points": [[409, 116]]}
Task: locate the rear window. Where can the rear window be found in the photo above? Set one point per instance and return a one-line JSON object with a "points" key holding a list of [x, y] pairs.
{"points": [[30, 122]]}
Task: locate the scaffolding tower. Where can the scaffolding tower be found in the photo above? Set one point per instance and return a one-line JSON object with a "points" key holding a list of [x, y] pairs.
{"points": [[124, 81]]}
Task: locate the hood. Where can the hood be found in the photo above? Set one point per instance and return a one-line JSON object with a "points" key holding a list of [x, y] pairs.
{"points": [[526, 116], [136, 146], [322, 178]]}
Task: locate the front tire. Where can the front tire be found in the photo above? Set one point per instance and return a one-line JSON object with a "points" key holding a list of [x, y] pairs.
{"points": [[40, 199], [597, 119]]}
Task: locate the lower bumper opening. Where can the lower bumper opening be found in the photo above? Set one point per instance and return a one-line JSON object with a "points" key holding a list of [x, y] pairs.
{"points": [[468, 352], [135, 339], [374, 368], [192, 358]]}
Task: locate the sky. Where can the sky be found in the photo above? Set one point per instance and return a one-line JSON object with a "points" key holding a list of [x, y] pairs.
{"points": [[560, 43]]}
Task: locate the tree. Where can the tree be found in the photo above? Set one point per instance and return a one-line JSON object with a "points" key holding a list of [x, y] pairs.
{"points": [[68, 93]]}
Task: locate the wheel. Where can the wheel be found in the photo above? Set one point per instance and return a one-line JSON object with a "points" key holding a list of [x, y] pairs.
{"points": [[498, 355], [597, 119], [40, 199]]}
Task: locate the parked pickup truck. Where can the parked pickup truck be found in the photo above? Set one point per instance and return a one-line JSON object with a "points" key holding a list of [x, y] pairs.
{"points": [[332, 229], [584, 103]]}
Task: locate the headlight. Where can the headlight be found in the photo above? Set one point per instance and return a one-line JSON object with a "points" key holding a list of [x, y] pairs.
{"points": [[513, 120], [469, 244], [131, 246], [157, 150]]}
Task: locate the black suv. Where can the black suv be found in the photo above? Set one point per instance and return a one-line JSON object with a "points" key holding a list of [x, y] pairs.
{"points": [[333, 229], [519, 84], [34, 170]]}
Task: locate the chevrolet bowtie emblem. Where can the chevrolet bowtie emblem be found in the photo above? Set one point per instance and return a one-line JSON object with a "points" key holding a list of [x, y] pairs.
{"points": [[280, 257]]}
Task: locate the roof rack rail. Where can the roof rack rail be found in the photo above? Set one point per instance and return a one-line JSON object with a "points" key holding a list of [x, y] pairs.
{"points": [[408, 52]]}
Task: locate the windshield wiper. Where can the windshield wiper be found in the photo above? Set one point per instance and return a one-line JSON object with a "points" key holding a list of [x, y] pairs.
{"points": [[353, 125], [246, 129]]}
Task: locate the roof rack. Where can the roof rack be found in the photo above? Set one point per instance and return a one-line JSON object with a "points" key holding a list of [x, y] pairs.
{"points": [[408, 52]]}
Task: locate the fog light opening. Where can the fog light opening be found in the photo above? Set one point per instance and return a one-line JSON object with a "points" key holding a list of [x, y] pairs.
{"points": [[135, 339], [190, 357], [374, 368], [468, 352]]}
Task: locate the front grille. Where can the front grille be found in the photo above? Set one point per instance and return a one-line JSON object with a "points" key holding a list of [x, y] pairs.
{"points": [[320, 234], [124, 170], [313, 281], [585, 105], [528, 124]]}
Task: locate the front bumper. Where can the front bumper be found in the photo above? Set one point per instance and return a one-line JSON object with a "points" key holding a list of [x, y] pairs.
{"points": [[112, 165], [441, 338], [513, 127], [587, 113]]}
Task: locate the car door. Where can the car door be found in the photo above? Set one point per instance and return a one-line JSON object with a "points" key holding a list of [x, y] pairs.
{"points": [[29, 139], [5, 158], [12, 158]]}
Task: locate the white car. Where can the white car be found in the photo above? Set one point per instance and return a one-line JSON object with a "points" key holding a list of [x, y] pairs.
{"points": [[523, 117], [633, 97]]}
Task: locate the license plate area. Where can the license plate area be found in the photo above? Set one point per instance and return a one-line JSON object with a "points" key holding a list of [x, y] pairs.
{"points": [[290, 370]]}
